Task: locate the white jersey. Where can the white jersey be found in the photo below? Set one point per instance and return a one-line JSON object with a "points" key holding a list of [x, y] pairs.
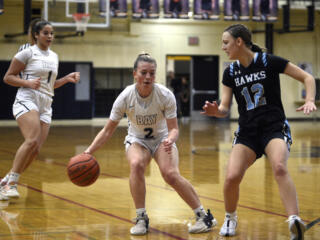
{"points": [[40, 63], [146, 116], [24, 46]]}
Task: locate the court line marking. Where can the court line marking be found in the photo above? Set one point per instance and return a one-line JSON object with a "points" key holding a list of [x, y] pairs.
{"points": [[97, 210], [170, 189], [201, 196], [47, 234]]}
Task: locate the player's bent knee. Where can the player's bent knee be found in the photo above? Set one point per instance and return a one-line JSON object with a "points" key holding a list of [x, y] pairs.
{"points": [[280, 171], [137, 166], [31, 144], [171, 177], [233, 179]]}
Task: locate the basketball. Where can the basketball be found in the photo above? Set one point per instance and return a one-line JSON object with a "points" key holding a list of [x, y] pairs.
{"points": [[83, 169]]}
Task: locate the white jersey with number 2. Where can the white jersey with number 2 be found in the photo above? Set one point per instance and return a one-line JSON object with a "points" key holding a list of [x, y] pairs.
{"points": [[146, 116]]}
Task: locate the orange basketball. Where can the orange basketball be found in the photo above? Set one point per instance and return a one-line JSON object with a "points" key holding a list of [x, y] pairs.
{"points": [[83, 169]]}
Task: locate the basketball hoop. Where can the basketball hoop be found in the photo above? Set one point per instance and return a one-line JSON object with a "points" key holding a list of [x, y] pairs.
{"points": [[81, 20]]}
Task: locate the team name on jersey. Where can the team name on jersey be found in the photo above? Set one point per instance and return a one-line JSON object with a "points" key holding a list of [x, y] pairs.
{"points": [[249, 78], [49, 65], [146, 119]]}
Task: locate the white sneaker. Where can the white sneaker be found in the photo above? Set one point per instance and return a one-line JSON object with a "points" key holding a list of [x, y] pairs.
{"points": [[4, 180], [296, 228], [3, 197], [2, 183], [229, 226], [10, 191], [203, 224], [142, 225]]}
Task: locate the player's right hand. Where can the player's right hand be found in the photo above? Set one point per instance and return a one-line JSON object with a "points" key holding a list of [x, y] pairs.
{"points": [[210, 109], [34, 83]]}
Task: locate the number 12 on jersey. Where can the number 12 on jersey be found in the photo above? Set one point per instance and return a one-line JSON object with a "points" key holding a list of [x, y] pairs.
{"points": [[258, 96]]}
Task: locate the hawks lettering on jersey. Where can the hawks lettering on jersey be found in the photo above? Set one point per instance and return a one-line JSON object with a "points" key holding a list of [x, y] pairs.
{"points": [[249, 78], [252, 94], [257, 87]]}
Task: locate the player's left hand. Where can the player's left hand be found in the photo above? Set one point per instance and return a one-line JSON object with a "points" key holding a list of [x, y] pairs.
{"points": [[167, 143], [73, 77], [307, 108]]}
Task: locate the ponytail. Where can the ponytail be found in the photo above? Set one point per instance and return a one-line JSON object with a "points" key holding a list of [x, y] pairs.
{"points": [[256, 48]]}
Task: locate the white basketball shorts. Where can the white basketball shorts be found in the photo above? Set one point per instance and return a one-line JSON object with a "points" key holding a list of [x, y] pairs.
{"points": [[29, 99], [150, 144]]}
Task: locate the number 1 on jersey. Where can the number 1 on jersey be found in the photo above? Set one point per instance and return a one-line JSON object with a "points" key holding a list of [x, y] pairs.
{"points": [[49, 76]]}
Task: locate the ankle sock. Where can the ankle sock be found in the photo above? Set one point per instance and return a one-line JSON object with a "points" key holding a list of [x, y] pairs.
{"points": [[141, 211], [199, 211], [232, 215], [13, 178]]}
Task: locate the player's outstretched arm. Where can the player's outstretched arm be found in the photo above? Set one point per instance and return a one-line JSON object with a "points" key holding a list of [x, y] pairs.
{"points": [[103, 136], [73, 77], [310, 86]]}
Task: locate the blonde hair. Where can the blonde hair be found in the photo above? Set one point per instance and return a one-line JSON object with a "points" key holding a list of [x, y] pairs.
{"points": [[144, 57]]}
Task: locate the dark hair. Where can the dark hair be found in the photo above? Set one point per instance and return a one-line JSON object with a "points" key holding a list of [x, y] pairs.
{"points": [[31, 25], [240, 30], [38, 26], [144, 57]]}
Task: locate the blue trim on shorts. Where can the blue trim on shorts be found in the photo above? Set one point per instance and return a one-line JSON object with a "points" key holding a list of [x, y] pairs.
{"points": [[258, 142]]}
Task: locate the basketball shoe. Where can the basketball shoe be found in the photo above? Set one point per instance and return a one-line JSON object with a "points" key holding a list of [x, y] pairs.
{"points": [[3, 197], [142, 225], [296, 228], [204, 223], [10, 191], [4, 181], [229, 226]]}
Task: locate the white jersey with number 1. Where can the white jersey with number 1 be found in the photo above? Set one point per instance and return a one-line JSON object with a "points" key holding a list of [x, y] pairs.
{"points": [[146, 116], [40, 63]]}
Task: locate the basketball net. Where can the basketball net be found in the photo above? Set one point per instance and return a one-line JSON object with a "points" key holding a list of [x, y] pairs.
{"points": [[81, 20]]}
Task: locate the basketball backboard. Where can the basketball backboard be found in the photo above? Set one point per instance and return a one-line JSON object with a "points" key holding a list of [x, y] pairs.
{"points": [[61, 12]]}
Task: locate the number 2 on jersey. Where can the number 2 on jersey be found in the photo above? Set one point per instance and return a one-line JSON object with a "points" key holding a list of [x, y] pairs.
{"points": [[259, 99], [149, 132]]}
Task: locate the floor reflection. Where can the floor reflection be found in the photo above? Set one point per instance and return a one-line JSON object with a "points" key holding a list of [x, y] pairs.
{"points": [[51, 207]]}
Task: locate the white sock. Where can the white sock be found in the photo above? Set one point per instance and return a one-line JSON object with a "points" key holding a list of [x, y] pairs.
{"points": [[199, 211], [291, 217], [232, 215], [13, 178], [141, 211]]}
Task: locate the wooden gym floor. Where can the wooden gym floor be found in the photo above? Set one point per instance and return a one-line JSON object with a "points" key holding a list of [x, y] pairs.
{"points": [[51, 207]]}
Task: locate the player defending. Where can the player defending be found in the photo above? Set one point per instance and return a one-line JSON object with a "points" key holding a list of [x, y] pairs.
{"points": [[263, 128]]}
